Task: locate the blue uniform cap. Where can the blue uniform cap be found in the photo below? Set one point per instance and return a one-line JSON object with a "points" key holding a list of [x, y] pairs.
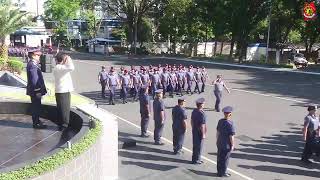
{"points": [[200, 101], [159, 91], [181, 99], [227, 109], [35, 51]]}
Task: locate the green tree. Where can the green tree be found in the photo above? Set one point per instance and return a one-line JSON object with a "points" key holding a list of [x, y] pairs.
{"points": [[11, 19], [131, 12], [60, 12], [173, 23]]}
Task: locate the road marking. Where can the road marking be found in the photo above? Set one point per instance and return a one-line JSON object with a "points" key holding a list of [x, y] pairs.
{"points": [[235, 89], [186, 149]]}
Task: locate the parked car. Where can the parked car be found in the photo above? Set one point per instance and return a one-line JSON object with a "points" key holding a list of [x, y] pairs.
{"points": [[298, 59]]}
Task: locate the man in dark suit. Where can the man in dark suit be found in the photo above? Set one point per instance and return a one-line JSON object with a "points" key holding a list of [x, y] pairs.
{"points": [[35, 87]]}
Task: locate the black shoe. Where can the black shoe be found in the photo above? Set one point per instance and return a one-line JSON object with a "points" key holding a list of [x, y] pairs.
{"points": [[159, 143], [113, 103], [61, 128], [179, 152], [144, 135], [39, 126], [197, 162], [307, 161], [224, 175]]}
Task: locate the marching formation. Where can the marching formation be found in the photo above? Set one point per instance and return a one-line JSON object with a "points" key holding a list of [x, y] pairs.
{"points": [[159, 82], [171, 79]]}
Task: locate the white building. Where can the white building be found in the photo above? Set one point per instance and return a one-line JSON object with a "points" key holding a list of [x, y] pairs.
{"points": [[33, 36]]}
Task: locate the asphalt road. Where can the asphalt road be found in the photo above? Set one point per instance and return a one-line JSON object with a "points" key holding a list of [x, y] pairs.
{"points": [[269, 112]]}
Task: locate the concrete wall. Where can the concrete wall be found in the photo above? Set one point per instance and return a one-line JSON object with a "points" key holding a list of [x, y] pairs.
{"points": [[87, 166]]}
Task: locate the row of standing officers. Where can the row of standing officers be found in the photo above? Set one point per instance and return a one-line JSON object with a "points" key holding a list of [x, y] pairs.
{"points": [[169, 79], [225, 127]]}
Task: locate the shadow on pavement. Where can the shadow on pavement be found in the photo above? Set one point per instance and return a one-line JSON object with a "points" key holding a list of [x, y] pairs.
{"points": [[283, 149], [152, 166]]}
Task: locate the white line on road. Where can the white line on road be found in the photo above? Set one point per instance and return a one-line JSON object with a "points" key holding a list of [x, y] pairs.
{"points": [[186, 149], [235, 89]]}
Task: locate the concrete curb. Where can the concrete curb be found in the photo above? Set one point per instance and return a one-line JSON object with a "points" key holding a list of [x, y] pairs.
{"points": [[239, 65]]}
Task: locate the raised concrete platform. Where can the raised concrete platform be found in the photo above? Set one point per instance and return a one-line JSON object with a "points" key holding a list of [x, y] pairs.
{"points": [[21, 143]]}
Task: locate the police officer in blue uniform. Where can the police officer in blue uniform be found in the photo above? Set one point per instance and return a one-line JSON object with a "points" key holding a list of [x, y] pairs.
{"points": [[179, 125], [219, 85], [180, 81], [112, 84], [204, 77], [197, 80], [199, 130], [102, 79], [165, 81], [155, 82], [159, 117], [310, 132], [144, 110], [125, 82], [136, 83], [225, 141], [190, 79], [35, 87]]}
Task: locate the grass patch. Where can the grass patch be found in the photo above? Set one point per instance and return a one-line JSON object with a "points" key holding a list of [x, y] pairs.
{"points": [[56, 160]]}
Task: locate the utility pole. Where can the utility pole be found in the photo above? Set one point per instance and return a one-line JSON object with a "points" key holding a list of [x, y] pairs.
{"points": [[268, 38]]}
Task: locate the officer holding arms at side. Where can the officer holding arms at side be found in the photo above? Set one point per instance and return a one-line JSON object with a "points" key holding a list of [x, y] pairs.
{"points": [[204, 78], [199, 130], [112, 84], [219, 85], [159, 117], [179, 125], [102, 79], [310, 132], [35, 87], [225, 142], [126, 83], [144, 110]]}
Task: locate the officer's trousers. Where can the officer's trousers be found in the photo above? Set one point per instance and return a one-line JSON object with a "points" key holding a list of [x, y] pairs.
{"points": [[144, 123], [172, 88], [197, 88], [35, 109], [307, 151], [154, 89], [164, 86], [218, 95], [179, 87], [103, 89], [124, 92], [178, 139], [189, 83], [158, 128], [136, 89], [203, 86], [112, 94], [223, 157], [63, 105], [197, 146]]}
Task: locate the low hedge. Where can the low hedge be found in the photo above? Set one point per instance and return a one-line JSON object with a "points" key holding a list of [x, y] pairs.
{"points": [[15, 65], [56, 160]]}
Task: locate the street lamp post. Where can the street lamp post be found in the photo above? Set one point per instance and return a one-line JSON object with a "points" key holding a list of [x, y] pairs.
{"points": [[268, 38]]}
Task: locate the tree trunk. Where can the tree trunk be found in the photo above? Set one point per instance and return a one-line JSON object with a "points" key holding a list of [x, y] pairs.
{"points": [[231, 48], [215, 48], [221, 48]]}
